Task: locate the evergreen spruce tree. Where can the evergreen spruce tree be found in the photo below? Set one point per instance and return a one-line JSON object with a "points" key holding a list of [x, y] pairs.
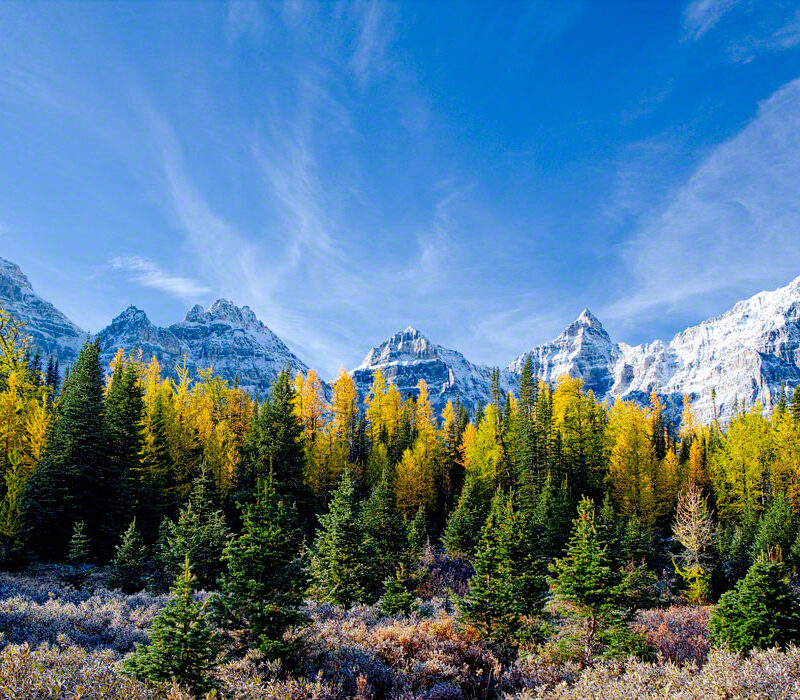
{"points": [[182, 645], [154, 488], [610, 530], [123, 427], [551, 515], [397, 599], [266, 579], [417, 534], [73, 481], [339, 564], [506, 593], [128, 567], [385, 531], [637, 544], [199, 533], [464, 526], [77, 556], [274, 446], [585, 580], [777, 528], [794, 408], [761, 612]]}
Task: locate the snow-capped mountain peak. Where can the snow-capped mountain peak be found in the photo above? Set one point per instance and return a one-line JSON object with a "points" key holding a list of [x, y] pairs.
{"points": [[49, 329]]}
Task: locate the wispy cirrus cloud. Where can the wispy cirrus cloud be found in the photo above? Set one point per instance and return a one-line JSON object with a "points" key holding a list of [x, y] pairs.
{"points": [[732, 226], [700, 16], [150, 274]]}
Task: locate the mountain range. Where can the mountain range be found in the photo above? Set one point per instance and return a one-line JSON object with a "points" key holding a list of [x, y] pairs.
{"points": [[744, 355]]}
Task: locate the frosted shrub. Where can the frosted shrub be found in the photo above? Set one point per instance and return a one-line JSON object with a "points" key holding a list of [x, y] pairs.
{"points": [[104, 619], [726, 676], [60, 674], [678, 633]]}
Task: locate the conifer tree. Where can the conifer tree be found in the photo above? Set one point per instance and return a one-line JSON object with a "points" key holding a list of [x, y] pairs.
{"points": [[199, 533], [464, 526], [794, 408], [761, 612], [266, 579], [128, 567], [123, 427], [694, 530], [584, 578], [417, 534], [11, 510], [397, 599], [777, 528], [339, 564], [506, 593], [73, 481], [182, 645], [274, 446], [78, 556], [385, 532], [551, 515], [154, 486]]}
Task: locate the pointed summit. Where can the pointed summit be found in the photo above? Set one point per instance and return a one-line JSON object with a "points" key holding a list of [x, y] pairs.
{"points": [[587, 318]]}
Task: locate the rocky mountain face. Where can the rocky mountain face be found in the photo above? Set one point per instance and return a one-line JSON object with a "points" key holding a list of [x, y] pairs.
{"points": [[409, 356], [49, 329], [226, 337], [742, 355]]}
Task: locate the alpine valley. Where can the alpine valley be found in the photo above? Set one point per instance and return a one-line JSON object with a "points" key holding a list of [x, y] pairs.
{"points": [[744, 355]]}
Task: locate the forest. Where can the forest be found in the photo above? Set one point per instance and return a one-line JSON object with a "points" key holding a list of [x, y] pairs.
{"points": [[170, 536]]}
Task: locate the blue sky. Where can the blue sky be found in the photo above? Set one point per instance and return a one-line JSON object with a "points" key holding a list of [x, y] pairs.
{"points": [[481, 171]]}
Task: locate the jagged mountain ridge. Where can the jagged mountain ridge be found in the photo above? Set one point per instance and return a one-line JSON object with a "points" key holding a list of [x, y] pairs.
{"points": [[408, 356], [744, 354], [50, 330], [226, 337]]}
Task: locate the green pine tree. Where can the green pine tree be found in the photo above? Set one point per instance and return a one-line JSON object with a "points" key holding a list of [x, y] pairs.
{"points": [[340, 563], [761, 612], [397, 598], [154, 489], [777, 528], [274, 446], [74, 481], [551, 515], [417, 534], [199, 533], [182, 645], [585, 579], [123, 415], [266, 579], [463, 530], [386, 538], [506, 593], [78, 567], [128, 567], [794, 407]]}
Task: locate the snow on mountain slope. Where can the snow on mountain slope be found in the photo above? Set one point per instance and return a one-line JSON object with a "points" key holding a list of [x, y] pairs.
{"points": [[744, 354], [226, 337], [49, 329], [408, 356]]}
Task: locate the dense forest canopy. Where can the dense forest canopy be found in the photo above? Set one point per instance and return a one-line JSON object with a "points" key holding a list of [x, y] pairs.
{"points": [[548, 498]]}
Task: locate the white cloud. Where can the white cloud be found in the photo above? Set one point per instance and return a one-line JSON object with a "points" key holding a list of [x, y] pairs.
{"points": [[374, 31], [733, 226], [701, 15], [150, 274]]}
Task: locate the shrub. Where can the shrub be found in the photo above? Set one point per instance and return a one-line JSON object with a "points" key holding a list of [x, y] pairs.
{"points": [[679, 633]]}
